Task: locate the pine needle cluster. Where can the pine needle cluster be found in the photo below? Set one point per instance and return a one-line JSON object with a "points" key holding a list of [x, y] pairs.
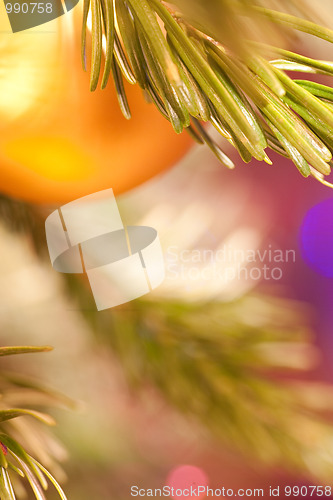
{"points": [[24, 443], [209, 62]]}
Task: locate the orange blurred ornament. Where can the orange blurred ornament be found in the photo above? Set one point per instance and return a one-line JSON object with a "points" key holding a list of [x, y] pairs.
{"points": [[58, 140]]}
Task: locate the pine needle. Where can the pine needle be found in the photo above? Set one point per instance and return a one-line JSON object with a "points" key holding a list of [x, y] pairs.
{"points": [[201, 69]]}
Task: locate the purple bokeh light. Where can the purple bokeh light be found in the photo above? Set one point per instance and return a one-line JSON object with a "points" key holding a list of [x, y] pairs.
{"points": [[316, 238]]}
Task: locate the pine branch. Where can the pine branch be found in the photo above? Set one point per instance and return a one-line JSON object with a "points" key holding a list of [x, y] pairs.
{"points": [[214, 363], [220, 365], [202, 64], [20, 438]]}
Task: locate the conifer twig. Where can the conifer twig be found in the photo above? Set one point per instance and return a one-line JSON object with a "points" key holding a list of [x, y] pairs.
{"points": [[200, 70], [18, 441]]}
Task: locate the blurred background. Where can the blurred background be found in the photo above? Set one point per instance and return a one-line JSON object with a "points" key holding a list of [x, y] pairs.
{"points": [[227, 366]]}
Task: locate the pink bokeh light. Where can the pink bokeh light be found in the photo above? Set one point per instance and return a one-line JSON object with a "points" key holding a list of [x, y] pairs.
{"points": [[187, 477]]}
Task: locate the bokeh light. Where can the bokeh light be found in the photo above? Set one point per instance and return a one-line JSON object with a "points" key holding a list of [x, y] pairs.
{"points": [[184, 477], [316, 238]]}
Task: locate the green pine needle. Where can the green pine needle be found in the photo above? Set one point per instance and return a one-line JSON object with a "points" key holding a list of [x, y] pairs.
{"points": [[199, 69], [16, 463]]}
